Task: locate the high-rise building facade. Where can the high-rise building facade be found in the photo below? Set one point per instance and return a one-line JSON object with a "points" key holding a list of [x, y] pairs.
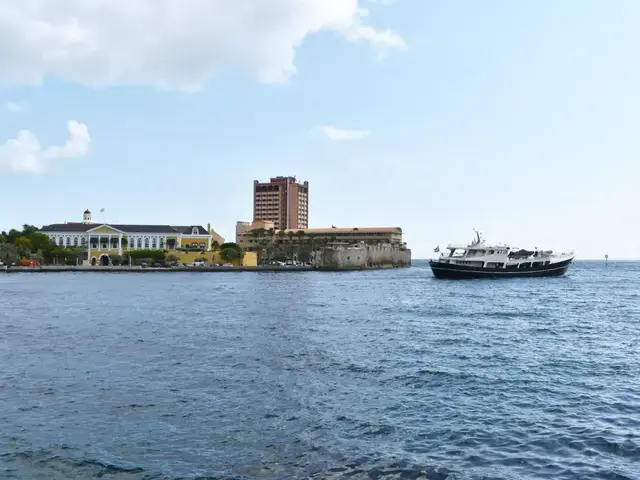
{"points": [[283, 201]]}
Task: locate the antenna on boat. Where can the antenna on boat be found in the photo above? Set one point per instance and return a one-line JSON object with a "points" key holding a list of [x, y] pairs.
{"points": [[606, 258], [477, 240]]}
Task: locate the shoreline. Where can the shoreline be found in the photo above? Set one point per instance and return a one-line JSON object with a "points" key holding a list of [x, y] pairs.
{"points": [[127, 269]]}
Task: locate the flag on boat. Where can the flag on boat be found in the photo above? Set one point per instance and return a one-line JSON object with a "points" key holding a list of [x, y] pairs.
{"points": [[437, 249]]}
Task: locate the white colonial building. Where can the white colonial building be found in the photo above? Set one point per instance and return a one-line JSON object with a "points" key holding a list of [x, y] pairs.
{"points": [[102, 240]]}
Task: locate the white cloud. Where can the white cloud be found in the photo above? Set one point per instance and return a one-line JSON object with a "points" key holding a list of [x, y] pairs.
{"points": [[25, 153], [169, 43], [18, 107], [337, 134]]}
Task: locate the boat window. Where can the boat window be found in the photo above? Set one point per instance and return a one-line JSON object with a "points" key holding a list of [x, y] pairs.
{"points": [[491, 252]]}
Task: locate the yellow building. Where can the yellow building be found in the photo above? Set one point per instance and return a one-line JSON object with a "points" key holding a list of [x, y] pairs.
{"points": [[102, 240], [254, 236]]}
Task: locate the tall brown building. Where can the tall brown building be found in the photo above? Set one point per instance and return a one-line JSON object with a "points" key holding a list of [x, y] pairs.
{"points": [[283, 201]]}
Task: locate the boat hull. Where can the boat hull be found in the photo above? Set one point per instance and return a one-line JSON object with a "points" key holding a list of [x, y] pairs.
{"points": [[458, 272]]}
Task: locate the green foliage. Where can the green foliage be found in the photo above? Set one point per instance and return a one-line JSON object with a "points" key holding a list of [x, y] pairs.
{"points": [[13, 235], [28, 230], [231, 245], [40, 242], [23, 244], [29, 243], [8, 254], [115, 260], [230, 251], [230, 254], [171, 258], [66, 255]]}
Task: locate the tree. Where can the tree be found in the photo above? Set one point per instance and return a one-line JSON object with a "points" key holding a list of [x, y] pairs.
{"points": [[230, 251], [8, 254], [23, 245], [40, 242], [13, 235], [229, 254], [116, 260], [28, 230], [3, 239], [214, 245]]}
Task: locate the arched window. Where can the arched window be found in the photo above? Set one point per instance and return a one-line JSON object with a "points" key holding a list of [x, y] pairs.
{"points": [[146, 242], [83, 241], [139, 242], [75, 241], [153, 243], [162, 243], [68, 243], [195, 231], [131, 242], [60, 241]]}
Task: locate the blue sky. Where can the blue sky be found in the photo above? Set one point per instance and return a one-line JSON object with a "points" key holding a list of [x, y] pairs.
{"points": [[516, 118]]}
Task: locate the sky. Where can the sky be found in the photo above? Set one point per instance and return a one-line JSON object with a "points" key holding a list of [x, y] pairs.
{"points": [[519, 119]]}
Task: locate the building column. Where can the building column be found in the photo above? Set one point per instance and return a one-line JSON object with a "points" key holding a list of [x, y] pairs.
{"points": [[109, 242], [120, 244], [89, 249]]}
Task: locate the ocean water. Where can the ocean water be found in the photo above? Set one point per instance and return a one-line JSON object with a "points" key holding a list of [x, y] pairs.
{"points": [[380, 375]]}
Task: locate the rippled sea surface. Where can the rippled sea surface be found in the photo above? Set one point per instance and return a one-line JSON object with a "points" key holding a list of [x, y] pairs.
{"points": [[381, 374]]}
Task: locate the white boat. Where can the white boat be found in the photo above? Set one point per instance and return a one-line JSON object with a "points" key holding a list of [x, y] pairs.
{"points": [[479, 259]]}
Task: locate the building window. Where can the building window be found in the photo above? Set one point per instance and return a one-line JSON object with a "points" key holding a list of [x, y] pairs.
{"points": [[60, 241], [195, 231], [139, 243], [75, 241], [83, 241], [153, 243], [146, 242], [162, 243], [68, 242]]}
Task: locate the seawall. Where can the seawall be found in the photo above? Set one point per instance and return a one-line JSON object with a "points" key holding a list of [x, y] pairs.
{"points": [[361, 257]]}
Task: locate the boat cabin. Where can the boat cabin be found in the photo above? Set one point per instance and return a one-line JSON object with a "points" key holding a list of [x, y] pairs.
{"points": [[482, 255]]}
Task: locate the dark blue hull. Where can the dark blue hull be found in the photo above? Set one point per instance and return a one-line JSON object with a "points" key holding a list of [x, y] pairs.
{"points": [[459, 272]]}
